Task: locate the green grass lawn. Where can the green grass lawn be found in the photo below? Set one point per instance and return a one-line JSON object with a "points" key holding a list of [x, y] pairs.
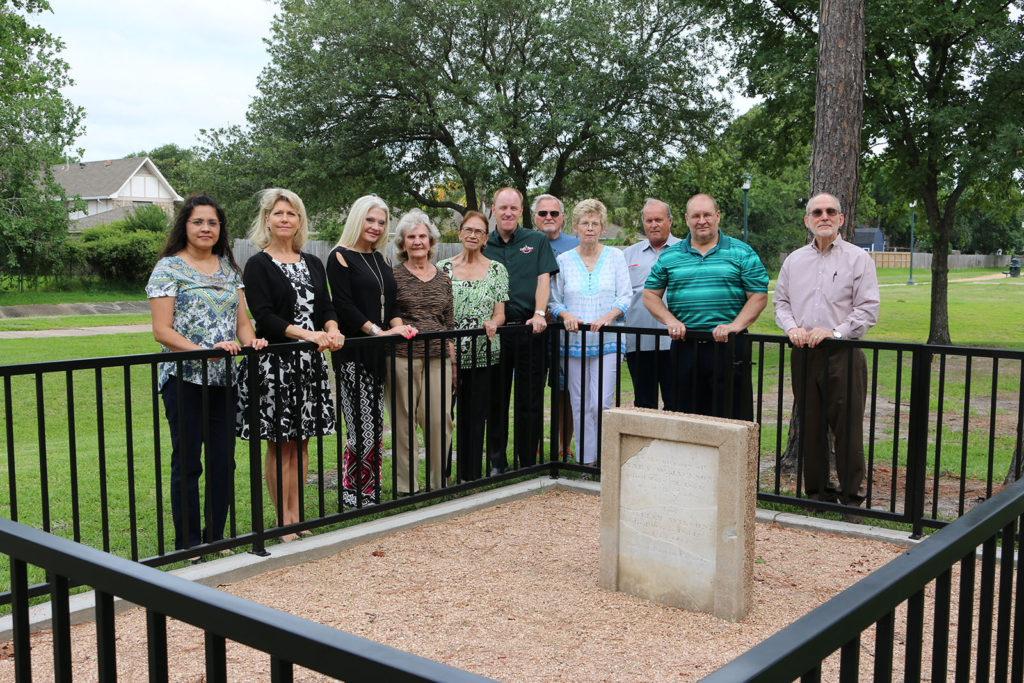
{"points": [[986, 313], [78, 291], [981, 314], [58, 322]]}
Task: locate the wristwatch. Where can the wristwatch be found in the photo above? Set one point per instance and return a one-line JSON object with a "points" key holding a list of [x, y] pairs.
{"points": [[374, 330], [540, 313], [836, 334]]}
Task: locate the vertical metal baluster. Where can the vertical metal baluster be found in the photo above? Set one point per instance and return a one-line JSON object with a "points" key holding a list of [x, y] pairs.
{"points": [[986, 605], [156, 646], [965, 619], [216, 658], [76, 520], [937, 476], [133, 517], [897, 406], [940, 635], [992, 427], [914, 637], [44, 477], [884, 636], [21, 627], [158, 476], [60, 614], [101, 444], [106, 652], [966, 432]]}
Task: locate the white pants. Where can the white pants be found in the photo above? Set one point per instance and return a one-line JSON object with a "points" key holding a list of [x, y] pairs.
{"points": [[591, 368]]}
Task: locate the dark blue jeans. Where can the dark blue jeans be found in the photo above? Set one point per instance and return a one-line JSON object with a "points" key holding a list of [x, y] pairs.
{"points": [[187, 462]]}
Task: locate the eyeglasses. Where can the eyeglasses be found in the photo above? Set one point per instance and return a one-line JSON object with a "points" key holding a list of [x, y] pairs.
{"points": [[474, 231], [831, 211], [199, 222], [545, 214]]}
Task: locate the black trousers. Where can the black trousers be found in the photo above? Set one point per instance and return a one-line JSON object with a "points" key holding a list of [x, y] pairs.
{"points": [[187, 461], [522, 358], [713, 378], [472, 404], [830, 387], [649, 371]]}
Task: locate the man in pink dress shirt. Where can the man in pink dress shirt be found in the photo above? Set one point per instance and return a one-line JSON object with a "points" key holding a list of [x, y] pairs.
{"points": [[829, 290]]}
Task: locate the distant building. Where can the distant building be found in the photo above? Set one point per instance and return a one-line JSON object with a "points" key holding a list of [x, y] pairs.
{"points": [[870, 239], [112, 189]]}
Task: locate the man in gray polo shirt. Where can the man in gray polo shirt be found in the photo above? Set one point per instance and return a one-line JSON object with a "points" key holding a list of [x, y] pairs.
{"points": [[650, 365]]}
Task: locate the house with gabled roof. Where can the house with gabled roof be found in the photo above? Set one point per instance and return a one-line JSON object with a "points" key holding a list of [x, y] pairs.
{"points": [[114, 188]]}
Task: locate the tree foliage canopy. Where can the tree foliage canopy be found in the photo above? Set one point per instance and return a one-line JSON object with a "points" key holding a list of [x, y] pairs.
{"points": [[37, 124], [944, 92], [489, 92]]}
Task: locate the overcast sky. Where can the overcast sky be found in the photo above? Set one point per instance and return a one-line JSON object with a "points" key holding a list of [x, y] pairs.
{"points": [[150, 73]]}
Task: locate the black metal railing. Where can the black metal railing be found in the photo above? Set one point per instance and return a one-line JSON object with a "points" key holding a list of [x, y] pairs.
{"points": [[86, 444], [287, 640], [940, 578]]}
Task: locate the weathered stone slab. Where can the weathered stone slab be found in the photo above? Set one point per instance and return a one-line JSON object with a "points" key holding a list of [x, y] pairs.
{"points": [[677, 509]]}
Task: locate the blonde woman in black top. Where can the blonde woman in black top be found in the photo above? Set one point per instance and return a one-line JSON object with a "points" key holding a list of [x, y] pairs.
{"points": [[287, 294], [363, 292]]}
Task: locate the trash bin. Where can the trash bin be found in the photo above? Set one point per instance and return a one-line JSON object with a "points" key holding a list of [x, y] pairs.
{"points": [[1015, 267]]}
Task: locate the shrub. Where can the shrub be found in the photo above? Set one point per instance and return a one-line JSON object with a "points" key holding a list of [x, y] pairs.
{"points": [[146, 218], [116, 255]]}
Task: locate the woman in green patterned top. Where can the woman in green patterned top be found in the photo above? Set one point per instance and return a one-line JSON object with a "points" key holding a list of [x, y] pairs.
{"points": [[480, 290]]}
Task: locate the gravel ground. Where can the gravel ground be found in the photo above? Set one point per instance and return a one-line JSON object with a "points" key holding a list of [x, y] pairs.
{"points": [[509, 592]]}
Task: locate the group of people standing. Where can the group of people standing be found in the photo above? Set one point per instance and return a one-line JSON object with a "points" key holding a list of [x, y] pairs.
{"points": [[509, 276]]}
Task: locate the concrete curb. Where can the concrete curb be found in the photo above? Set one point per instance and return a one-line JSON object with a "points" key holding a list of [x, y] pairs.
{"points": [[50, 310], [245, 565]]}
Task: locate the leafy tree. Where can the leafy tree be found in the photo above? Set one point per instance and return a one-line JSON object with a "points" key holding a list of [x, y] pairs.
{"points": [[37, 124], [945, 88], [776, 198], [403, 96]]}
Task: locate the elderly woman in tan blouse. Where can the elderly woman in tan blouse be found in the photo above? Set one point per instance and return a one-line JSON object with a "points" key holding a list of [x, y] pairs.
{"points": [[424, 302]]}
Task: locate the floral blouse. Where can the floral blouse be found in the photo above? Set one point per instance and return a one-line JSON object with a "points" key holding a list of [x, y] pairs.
{"points": [[474, 305], [205, 312]]}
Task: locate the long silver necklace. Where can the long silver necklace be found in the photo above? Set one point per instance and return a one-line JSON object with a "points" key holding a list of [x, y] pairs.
{"points": [[380, 281]]}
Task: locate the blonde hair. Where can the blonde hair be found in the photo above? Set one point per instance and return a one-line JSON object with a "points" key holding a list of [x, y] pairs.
{"points": [[408, 221], [590, 206], [259, 232], [357, 216]]}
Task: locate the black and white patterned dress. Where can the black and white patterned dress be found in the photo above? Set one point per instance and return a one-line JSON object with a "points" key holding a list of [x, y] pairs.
{"points": [[295, 391]]}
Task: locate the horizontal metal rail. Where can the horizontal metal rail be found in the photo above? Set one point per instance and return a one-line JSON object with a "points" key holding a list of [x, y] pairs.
{"points": [[287, 639], [799, 649]]}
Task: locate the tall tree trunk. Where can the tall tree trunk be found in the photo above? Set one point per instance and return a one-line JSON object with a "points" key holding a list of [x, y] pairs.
{"points": [[839, 104], [938, 320], [838, 116]]}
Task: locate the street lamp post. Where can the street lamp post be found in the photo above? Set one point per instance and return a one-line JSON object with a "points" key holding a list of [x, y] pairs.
{"points": [[746, 189], [912, 205]]}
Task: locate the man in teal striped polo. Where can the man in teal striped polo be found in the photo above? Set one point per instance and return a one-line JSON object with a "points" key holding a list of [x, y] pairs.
{"points": [[711, 283]]}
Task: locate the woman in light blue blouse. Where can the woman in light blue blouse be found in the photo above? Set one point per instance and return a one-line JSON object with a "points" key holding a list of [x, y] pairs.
{"points": [[195, 296], [590, 290]]}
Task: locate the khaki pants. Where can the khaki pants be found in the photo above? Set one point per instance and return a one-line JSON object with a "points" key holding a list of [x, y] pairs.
{"points": [[431, 412]]}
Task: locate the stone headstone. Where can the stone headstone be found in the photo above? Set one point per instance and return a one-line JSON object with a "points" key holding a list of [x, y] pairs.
{"points": [[678, 494]]}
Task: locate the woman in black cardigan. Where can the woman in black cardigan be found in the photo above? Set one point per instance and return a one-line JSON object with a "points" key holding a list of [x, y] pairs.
{"points": [[287, 294]]}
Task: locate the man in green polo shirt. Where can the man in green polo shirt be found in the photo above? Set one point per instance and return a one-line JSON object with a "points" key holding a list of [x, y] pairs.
{"points": [[527, 256], [712, 283]]}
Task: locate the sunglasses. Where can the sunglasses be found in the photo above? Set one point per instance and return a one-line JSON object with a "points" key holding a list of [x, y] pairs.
{"points": [[545, 214], [830, 211]]}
